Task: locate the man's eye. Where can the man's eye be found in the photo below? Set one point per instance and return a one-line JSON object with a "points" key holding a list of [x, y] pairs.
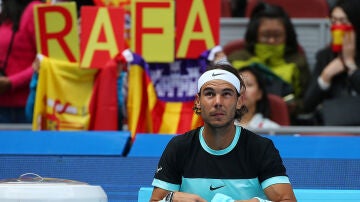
{"points": [[209, 94], [228, 93]]}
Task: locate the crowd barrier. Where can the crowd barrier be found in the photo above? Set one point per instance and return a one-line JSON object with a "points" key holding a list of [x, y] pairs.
{"points": [[312, 33], [326, 164], [64, 143]]}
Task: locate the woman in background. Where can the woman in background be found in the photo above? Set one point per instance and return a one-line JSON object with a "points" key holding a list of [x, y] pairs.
{"points": [[256, 101], [17, 53], [271, 43]]}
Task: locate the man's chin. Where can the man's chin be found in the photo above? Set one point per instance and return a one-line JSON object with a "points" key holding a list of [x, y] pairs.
{"points": [[219, 124]]}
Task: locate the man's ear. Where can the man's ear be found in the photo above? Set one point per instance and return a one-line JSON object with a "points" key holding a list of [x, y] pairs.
{"points": [[197, 100], [240, 101]]}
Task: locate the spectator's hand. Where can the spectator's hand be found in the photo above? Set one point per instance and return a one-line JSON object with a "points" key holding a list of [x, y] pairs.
{"points": [[219, 55], [36, 64], [333, 68], [186, 197], [5, 84], [349, 51], [348, 48]]}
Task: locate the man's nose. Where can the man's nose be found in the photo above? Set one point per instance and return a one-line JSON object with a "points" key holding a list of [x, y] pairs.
{"points": [[218, 100]]}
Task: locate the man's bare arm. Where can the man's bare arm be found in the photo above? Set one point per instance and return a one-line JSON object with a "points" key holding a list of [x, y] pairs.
{"points": [[280, 193]]}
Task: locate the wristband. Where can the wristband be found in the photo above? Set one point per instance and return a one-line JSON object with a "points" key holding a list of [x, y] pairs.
{"points": [[323, 85], [351, 68], [169, 197], [261, 200]]}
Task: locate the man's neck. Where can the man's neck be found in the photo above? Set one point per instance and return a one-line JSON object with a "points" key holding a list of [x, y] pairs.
{"points": [[219, 138]]}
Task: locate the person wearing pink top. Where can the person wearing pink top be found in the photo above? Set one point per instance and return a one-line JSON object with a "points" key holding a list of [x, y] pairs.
{"points": [[17, 53]]}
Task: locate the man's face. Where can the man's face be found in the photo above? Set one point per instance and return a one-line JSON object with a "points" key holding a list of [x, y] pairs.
{"points": [[218, 101]]}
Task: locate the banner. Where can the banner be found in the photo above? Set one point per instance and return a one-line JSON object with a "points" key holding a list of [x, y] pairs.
{"points": [[64, 95], [148, 114], [126, 5], [102, 35], [56, 31], [153, 29], [197, 27]]}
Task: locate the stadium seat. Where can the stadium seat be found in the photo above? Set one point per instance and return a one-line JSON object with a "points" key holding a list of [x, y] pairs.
{"points": [[225, 8], [296, 8], [279, 110], [233, 45]]}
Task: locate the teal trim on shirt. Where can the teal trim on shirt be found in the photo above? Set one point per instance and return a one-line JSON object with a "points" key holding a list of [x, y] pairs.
{"points": [[223, 151], [165, 185], [275, 180]]}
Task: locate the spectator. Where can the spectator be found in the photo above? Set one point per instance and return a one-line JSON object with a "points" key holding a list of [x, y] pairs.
{"points": [[235, 162], [255, 100], [17, 52], [336, 81], [270, 40]]}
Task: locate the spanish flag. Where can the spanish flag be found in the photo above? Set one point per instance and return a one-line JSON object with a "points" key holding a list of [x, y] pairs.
{"points": [[147, 113], [72, 98]]}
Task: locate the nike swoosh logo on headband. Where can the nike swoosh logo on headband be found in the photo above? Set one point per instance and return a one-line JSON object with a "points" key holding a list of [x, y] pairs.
{"points": [[216, 74]]}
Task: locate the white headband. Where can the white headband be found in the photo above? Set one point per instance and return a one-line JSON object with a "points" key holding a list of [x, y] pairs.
{"points": [[219, 74]]}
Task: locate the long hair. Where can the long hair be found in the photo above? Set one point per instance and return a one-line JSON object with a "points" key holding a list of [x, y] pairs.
{"points": [[11, 10], [352, 8], [227, 67], [262, 105], [264, 10]]}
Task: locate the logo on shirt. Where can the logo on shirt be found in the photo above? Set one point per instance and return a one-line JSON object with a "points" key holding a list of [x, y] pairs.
{"points": [[213, 74], [215, 188], [158, 169]]}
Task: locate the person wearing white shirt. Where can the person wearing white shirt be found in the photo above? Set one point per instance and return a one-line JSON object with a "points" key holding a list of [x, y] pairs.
{"points": [[256, 101]]}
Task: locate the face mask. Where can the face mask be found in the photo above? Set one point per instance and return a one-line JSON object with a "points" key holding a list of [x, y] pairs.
{"points": [[270, 55], [266, 51]]}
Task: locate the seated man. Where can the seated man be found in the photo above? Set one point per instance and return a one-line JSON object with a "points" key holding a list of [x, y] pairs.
{"points": [[220, 161]]}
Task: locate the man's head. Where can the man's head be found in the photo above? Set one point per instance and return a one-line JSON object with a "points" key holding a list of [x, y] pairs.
{"points": [[219, 98]]}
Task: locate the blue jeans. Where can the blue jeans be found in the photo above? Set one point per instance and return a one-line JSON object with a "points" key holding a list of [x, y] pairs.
{"points": [[13, 115]]}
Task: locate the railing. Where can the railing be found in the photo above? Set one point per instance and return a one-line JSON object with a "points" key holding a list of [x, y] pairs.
{"points": [[311, 130], [302, 130], [15, 126]]}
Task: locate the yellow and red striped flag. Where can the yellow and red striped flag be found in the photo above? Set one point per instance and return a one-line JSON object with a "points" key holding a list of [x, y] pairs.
{"points": [[147, 113]]}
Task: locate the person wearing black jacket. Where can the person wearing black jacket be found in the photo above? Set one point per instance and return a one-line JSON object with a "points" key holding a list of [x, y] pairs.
{"points": [[334, 93]]}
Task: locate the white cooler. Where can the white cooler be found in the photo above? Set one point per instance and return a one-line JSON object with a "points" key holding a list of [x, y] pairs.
{"points": [[33, 188]]}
